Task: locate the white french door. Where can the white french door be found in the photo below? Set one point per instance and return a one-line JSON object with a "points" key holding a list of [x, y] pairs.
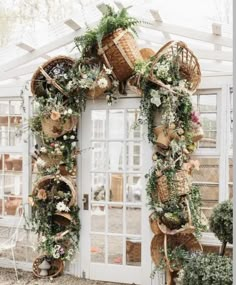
{"points": [[112, 185]]}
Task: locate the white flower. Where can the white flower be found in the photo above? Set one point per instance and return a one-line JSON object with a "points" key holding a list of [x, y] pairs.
{"points": [[69, 111], [156, 100], [56, 145], [84, 76], [43, 239], [56, 255], [62, 147], [40, 162], [65, 137], [72, 137], [69, 85], [61, 207], [107, 70], [73, 144], [115, 83], [43, 149], [102, 83], [65, 112]]}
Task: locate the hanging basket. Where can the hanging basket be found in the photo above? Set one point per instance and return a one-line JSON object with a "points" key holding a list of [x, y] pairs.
{"points": [[47, 72], [154, 224], [57, 128], [57, 267], [119, 52], [165, 136], [146, 53], [51, 160], [181, 183], [188, 64], [97, 91], [49, 179], [62, 219], [198, 134], [161, 241]]}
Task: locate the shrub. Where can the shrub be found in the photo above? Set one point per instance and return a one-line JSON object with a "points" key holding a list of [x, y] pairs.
{"points": [[221, 223], [208, 269]]}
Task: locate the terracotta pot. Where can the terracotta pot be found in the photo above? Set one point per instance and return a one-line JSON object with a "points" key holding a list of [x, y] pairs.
{"points": [[8, 164], [17, 164]]}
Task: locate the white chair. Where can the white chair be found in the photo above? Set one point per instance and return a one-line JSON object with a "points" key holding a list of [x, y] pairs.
{"points": [[10, 242]]}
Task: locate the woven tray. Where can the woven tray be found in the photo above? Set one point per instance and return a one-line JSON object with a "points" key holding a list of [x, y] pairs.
{"points": [[49, 179], [57, 267], [44, 74]]}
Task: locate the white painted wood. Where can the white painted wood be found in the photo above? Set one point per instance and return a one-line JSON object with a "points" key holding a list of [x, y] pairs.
{"points": [[29, 69], [188, 33], [72, 24], [157, 17], [55, 44], [217, 29], [29, 48]]}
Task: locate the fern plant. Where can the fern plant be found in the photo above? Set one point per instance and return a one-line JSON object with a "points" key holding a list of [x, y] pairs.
{"points": [[111, 21]]}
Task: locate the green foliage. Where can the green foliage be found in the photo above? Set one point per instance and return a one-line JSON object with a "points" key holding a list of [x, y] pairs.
{"points": [[194, 205], [208, 269], [111, 21], [221, 221]]}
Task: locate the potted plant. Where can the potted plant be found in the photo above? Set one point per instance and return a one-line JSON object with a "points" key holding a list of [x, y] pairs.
{"points": [[221, 223], [109, 38], [208, 269]]}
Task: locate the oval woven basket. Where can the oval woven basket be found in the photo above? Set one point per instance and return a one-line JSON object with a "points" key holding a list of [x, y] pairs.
{"points": [[49, 68], [55, 129], [161, 241], [119, 52], [188, 64], [98, 91], [62, 219], [181, 182], [42, 182], [57, 267]]}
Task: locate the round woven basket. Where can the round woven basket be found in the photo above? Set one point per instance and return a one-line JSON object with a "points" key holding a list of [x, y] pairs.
{"points": [[154, 225], [57, 267], [62, 219], [119, 52], [188, 64], [146, 53], [56, 64], [181, 182], [42, 182], [187, 241], [55, 129], [98, 91], [51, 160]]}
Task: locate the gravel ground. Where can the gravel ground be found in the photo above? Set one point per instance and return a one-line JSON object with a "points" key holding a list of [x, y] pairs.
{"points": [[7, 277]]}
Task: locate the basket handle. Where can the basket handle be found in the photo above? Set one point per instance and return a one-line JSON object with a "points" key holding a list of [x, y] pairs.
{"points": [[166, 255], [189, 212], [52, 81]]}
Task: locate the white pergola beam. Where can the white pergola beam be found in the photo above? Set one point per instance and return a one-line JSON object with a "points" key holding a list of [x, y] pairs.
{"points": [[29, 69], [29, 48], [157, 17], [102, 8], [72, 24], [188, 33], [218, 67], [55, 44]]}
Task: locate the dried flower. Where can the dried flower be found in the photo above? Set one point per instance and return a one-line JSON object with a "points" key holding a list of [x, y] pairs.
{"points": [[43, 149], [42, 194], [102, 83], [40, 162], [55, 115]]}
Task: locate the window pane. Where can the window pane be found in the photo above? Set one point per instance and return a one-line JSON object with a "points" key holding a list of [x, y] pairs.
{"points": [[116, 124], [209, 126], [207, 103], [115, 250], [116, 156], [98, 124], [97, 248], [115, 219], [99, 184], [133, 156], [133, 131], [99, 154], [134, 188], [116, 187]]}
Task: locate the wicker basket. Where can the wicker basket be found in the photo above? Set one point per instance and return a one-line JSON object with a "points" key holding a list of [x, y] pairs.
{"points": [[181, 182], [51, 160], [165, 136], [154, 224], [42, 182], [119, 52], [98, 91], [62, 219], [198, 134], [57, 267], [146, 53], [162, 241], [188, 64], [133, 250], [55, 129], [44, 74]]}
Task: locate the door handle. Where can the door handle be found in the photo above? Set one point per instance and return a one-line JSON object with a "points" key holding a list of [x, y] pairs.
{"points": [[85, 201]]}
